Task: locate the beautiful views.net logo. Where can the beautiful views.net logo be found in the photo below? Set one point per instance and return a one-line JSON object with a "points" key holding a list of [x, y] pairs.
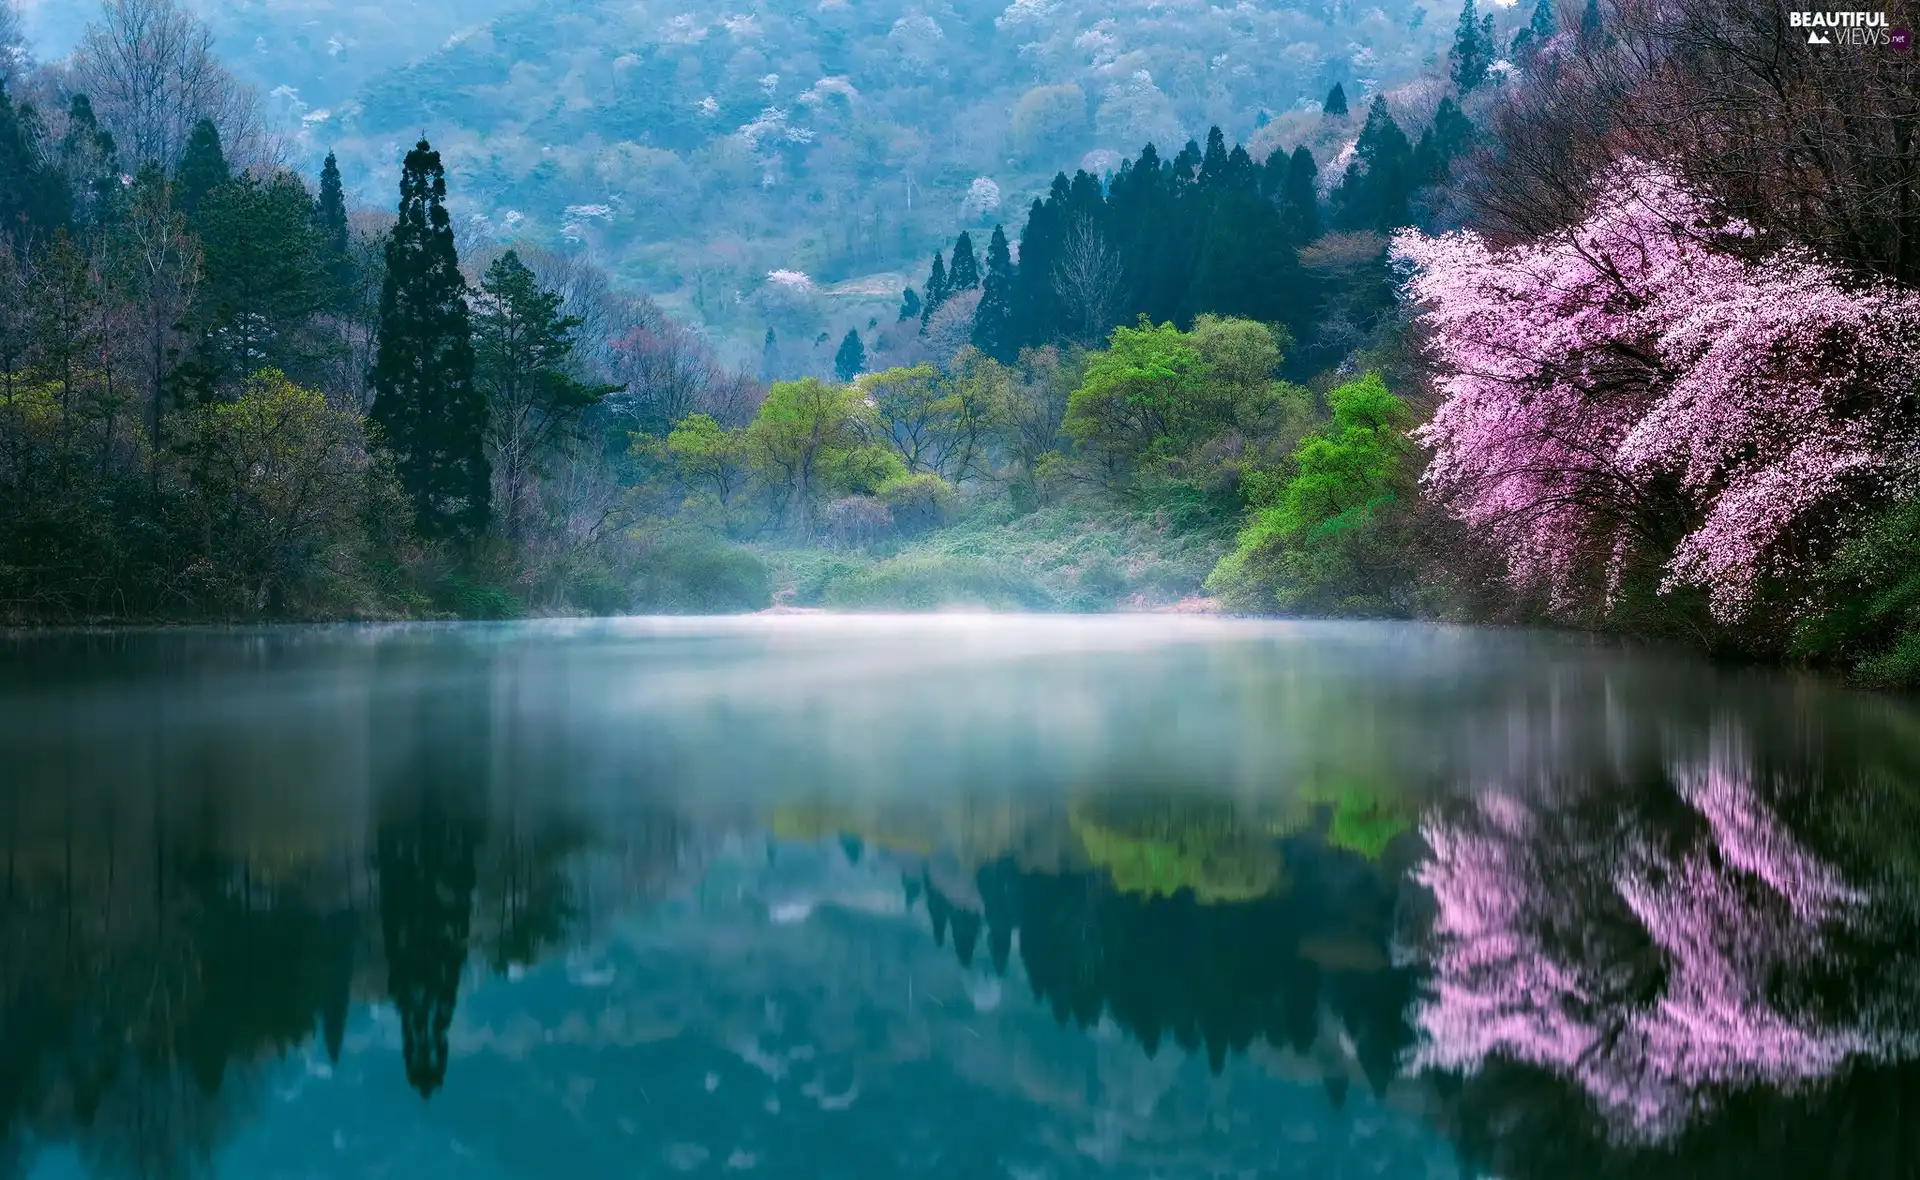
{"points": [[1848, 28]]}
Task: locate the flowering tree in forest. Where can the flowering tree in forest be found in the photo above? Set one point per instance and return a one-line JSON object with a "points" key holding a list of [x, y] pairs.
{"points": [[1652, 970], [1654, 380]]}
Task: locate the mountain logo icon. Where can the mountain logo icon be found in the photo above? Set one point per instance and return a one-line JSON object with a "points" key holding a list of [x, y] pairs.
{"points": [[1818, 38]]}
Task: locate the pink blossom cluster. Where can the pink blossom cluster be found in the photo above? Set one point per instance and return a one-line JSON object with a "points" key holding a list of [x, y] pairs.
{"points": [[1590, 375], [1541, 951]]}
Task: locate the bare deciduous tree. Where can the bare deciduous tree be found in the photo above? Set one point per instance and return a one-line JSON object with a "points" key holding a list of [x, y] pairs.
{"points": [[1087, 278], [150, 69]]}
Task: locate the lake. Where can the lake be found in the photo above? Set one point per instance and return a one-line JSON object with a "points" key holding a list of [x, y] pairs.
{"points": [[949, 896]]}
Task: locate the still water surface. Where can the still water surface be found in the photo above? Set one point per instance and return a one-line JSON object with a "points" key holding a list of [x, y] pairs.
{"points": [[951, 897]]}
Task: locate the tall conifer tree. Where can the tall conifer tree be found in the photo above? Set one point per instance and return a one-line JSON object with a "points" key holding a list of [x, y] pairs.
{"points": [[203, 168], [330, 220], [851, 359], [1471, 54], [936, 289], [1300, 196], [964, 273], [1373, 193], [1336, 103], [994, 330], [426, 408]]}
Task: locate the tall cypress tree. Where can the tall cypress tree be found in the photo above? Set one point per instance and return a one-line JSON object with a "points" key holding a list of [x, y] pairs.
{"points": [[426, 409], [1542, 27], [330, 220], [203, 168], [1033, 310], [1336, 103], [964, 273], [1300, 196], [1373, 193], [769, 357], [91, 162], [1469, 59], [909, 305], [994, 330], [936, 289]]}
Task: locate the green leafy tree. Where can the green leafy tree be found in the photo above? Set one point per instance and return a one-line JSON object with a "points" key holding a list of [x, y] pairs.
{"points": [[709, 457], [1323, 543], [274, 488], [851, 357], [813, 441], [203, 168], [523, 363], [1868, 617], [1336, 101], [994, 330], [426, 409], [1126, 410]]}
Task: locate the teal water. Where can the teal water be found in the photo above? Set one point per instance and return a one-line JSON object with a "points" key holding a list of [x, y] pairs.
{"points": [[820, 896]]}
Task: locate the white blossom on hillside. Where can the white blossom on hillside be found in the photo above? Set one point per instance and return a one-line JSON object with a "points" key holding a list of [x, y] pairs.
{"points": [[982, 200]]}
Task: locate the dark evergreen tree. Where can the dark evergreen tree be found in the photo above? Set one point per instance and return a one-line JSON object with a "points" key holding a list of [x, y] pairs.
{"points": [[1373, 193], [523, 360], [1471, 54], [909, 304], [1590, 22], [994, 330], [964, 273], [203, 168], [936, 289], [1246, 263], [426, 409], [261, 281], [91, 162], [769, 357], [34, 197], [1336, 103], [334, 244], [1300, 196], [428, 869], [1542, 27], [1213, 161], [1034, 311], [851, 358]]}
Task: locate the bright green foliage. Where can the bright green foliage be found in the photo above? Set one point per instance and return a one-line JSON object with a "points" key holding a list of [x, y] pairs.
{"points": [[1320, 546], [1156, 398], [814, 441], [1171, 847], [852, 357], [917, 503], [709, 456], [1132, 398], [523, 357], [276, 486], [426, 409], [1872, 591]]}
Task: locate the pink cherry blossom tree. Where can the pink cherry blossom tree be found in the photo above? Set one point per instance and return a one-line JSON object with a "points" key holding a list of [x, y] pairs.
{"points": [[1660, 379]]}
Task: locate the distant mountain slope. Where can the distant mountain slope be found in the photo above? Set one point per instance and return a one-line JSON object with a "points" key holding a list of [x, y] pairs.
{"points": [[694, 149]]}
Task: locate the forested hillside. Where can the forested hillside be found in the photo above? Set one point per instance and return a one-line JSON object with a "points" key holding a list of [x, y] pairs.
{"points": [[696, 150]]}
